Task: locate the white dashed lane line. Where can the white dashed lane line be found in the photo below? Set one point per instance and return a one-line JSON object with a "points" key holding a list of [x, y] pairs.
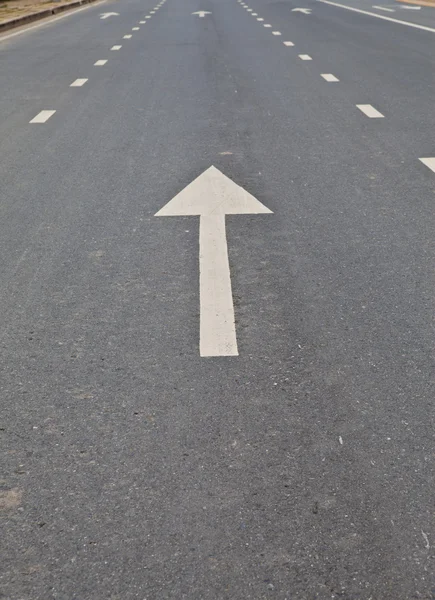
{"points": [[78, 83], [254, 14], [116, 47], [329, 77], [429, 162], [147, 17], [135, 28], [142, 22], [266, 25], [370, 111], [305, 57], [127, 37], [288, 43], [100, 63], [276, 33], [43, 116], [260, 19]]}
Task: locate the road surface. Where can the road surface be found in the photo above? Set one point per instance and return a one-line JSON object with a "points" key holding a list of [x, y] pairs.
{"points": [[286, 452]]}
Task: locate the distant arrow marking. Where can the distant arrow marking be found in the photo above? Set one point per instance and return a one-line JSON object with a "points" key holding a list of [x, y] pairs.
{"points": [[108, 14]]}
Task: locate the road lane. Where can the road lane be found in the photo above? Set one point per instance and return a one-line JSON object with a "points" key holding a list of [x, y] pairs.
{"points": [[298, 469]]}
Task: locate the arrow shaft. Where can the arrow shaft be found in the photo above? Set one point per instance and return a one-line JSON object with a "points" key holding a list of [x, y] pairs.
{"points": [[217, 323]]}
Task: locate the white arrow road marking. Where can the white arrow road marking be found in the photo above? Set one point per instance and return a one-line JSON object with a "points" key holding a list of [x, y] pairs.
{"points": [[201, 13], [306, 11], [429, 162], [212, 195], [109, 14]]}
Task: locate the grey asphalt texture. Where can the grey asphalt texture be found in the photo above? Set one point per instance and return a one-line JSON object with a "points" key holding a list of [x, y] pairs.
{"points": [[130, 466]]}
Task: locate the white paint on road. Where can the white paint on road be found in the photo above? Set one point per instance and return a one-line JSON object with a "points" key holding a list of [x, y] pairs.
{"points": [[116, 47], [370, 111], [147, 17], [305, 57], [329, 77], [288, 43], [276, 33], [104, 16], [100, 63], [267, 25], [43, 116], [212, 196], [135, 28], [384, 8], [46, 22], [142, 22], [260, 19], [254, 14], [383, 17], [306, 11], [78, 83], [429, 162], [201, 13], [127, 37]]}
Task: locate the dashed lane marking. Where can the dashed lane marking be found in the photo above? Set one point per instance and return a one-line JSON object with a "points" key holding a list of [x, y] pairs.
{"points": [[305, 57], [100, 63], [260, 19], [266, 25], [135, 28], [43, 116], [288, 43], [370, 111], [78, 83], [276, 33], [127, 37], [329, 77], [429, 162], [116, 47]]}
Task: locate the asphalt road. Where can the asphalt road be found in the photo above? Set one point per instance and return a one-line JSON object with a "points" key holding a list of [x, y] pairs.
{"points": [[131, 465]]}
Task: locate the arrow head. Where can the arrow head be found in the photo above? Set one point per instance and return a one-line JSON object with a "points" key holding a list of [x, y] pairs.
{"points": [[212, 193]]}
